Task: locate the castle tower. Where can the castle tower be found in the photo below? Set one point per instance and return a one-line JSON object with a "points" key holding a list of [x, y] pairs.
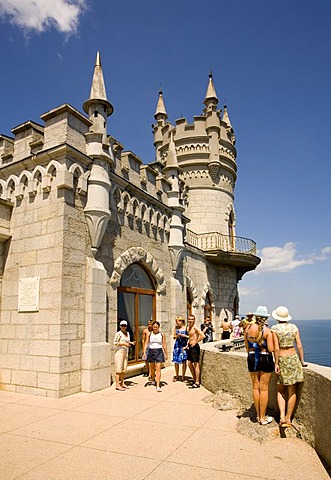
{"points": [[207, 156]]}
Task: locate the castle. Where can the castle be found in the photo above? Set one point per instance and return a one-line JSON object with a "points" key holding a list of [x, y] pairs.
{"points": [[89, 234]]}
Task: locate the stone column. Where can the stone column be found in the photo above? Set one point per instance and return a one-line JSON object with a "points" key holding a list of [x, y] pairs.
{"points": [[176, 303], [95, 349]]}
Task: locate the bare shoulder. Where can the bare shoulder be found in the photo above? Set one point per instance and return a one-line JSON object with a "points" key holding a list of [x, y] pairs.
{"points": [[267, 331]]}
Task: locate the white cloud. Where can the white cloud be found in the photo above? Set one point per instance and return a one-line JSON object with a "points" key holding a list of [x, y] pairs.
{"points": [[325, 253], [249, 291], [39, 15], [286, 258]]}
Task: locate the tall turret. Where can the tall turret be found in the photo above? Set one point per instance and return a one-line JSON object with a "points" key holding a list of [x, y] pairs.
{"points": [[160, 116], [98, 108], [211, 97], [229, 128], [212, 127], [207, 156], [176, 237]]}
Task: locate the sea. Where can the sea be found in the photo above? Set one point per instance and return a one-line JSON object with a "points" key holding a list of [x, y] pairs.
{"points": [[316, 339]]}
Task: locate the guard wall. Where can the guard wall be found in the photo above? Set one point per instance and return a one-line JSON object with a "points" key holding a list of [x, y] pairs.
{"points": [[228, 372]]}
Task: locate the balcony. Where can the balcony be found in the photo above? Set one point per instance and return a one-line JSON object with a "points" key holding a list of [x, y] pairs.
{"points": [[236, 251]]}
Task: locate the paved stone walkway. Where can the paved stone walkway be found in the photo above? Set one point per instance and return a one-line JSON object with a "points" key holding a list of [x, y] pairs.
{"points": [[139, 434]]}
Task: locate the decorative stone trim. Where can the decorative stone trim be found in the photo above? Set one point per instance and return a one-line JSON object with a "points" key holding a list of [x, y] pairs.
{"points": [[195, 174], [133, 255], [44, 179], [207, 289], [227, 151], [138, 210], [190, 285]]}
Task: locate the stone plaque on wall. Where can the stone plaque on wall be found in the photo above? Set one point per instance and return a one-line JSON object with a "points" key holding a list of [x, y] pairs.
{"points": [[28, 294]]}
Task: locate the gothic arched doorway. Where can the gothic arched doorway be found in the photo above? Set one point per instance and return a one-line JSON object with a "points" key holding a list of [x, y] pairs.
{"points": [[136, 304]]}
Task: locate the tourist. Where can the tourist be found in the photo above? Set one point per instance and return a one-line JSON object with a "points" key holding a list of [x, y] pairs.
{"points": [[247, 321], [179, 355], [288, 363], [122, 343], [145, 334], [155, 352], [226, 331], [207, 329], [193, 350], [236, 330], [259, 345]]}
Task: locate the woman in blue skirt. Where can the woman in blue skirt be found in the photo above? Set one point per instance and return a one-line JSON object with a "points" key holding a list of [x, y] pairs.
{"points": [[179, 355]]}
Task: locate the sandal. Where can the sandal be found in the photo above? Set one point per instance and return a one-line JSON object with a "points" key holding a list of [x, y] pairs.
{"points": [[175, 379], [194, 385], [285, 424], [266, 420]]}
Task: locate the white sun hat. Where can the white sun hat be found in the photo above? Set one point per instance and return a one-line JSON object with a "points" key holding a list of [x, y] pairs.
{"points": [[282, 314], [262, 311]]}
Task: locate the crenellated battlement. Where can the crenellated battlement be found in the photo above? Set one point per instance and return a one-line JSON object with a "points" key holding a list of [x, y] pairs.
{"points": [[26, 169], [193, 140]]}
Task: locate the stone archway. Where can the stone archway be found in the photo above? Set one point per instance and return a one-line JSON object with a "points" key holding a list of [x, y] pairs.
{"points": [[138, 254]]}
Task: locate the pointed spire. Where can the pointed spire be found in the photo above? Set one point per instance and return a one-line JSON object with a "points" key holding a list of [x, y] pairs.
{"points": [[160, 108], [211, 92], [226, 117], [98, 89], [172, 156]]}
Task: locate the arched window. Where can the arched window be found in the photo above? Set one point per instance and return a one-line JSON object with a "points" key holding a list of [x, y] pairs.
{"points": [[231, 231], [207, 308], [189, 301], [136, 305]]}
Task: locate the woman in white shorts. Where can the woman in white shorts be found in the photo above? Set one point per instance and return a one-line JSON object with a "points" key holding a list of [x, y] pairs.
{"points": [[122, 344]]}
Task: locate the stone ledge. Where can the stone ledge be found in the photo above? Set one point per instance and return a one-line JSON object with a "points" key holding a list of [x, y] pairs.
{"points": [[228, 372]]}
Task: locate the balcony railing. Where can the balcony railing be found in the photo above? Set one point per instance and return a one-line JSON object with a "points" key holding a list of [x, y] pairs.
{"points": [[232, 344], [218, 241]]}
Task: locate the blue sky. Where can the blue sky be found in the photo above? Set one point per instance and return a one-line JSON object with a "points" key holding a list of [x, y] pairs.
{"points": [[271, 61]]}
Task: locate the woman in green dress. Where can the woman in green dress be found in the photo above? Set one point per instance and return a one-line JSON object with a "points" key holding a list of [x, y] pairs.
{"points": [[288, 363]]}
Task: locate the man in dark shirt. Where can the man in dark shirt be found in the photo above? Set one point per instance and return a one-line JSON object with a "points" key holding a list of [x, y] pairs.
{"points": [[208, 330]]}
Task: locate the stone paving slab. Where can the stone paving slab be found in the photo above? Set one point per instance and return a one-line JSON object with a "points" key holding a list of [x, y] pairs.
{"points": [[140, 434], [88, 464]]}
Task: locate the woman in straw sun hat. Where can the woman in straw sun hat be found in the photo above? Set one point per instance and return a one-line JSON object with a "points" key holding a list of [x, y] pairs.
{"points": [[259, 346], [122, 343], [288, 362]]}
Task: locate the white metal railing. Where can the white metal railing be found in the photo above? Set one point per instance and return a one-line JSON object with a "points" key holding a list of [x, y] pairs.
{"points": [[232, 344], [218, 241]]}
